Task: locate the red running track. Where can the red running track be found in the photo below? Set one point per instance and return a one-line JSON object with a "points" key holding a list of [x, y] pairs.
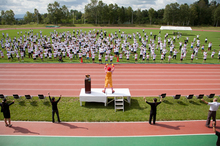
{"points": [[106, 129], [141, 79]]}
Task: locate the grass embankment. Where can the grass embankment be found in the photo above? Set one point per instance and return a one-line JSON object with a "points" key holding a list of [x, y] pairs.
{"points": [[70, 110]]}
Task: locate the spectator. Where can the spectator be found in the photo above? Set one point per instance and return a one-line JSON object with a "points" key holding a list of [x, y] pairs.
{"points": [[54, 107], [6, 112]]}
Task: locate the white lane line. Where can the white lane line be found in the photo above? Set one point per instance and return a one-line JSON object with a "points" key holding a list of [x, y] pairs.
{"points": [[58, 84], [102, 70], [144, 75], [58, 89], [208, 133], [77, 71], [98, 79]]}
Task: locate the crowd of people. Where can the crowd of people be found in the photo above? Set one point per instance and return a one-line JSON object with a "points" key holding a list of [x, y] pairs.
{"points": [[98, 46]]}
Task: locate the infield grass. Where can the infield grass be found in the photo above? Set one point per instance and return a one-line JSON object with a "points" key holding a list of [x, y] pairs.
{"points": [[70, 110], [213, 37]]}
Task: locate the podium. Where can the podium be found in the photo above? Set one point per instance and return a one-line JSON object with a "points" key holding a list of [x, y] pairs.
{"points": [[88, 84]]}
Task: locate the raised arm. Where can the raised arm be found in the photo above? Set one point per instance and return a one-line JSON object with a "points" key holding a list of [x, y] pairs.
{"points": [[113, 67], [204, 101], [105, 68], [11, 103], [59, 98], [49, 96]]}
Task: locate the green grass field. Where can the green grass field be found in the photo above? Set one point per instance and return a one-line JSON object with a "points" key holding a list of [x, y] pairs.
{"points": [[70, 110], [213, 37]]}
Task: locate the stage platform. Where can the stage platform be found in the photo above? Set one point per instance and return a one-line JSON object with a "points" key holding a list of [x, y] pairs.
{"points": [[98, 96]]}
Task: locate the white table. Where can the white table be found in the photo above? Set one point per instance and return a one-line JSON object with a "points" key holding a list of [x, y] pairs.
{"points": [[98, 96]]}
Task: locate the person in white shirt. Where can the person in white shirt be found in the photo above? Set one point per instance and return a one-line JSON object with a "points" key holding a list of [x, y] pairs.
{"points": [[147, 57], [111, 58], [161, 58], [218, 55], [93, 57], [192, 57], [213, 53], [169, 57], [212, 110], [204, 56], [154, 57], [100, 58]]}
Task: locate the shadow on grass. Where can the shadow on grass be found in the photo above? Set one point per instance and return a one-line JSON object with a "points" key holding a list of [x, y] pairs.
{"points": [[169, 126], [47, 103], [167, 102], [22, 103], [193, 102], [134, 105], [33, 103], [182, 103], [22, 130], [71, 125]]}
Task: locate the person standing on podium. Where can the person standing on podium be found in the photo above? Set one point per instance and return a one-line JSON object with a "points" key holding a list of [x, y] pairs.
{"points": [[108, 77]]}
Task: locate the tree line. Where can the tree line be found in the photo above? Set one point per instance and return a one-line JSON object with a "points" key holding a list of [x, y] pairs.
{"points": [[201, 12]]}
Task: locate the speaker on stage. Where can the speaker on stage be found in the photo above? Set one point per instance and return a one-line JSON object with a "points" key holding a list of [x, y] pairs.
{"points": [[87, 84]]}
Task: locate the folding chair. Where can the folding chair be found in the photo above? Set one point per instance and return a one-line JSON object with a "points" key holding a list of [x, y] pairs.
{"points": [[163, 95], [3, 96], [16, 96], [190, 96], [177, 96], [200, 96], [41, 96], [211, 95], [28, 96]]}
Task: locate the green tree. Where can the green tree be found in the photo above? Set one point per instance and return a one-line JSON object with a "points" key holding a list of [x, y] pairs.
{"points": [[8, 16], [184, 14], [167, 14], [193, 17], [36, 15], [54, 12], [28, 17], [217, 15], [151, 14]]}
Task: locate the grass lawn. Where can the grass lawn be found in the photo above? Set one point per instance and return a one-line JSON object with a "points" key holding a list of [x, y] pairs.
{"points": [[70, 110], [213, 37]]}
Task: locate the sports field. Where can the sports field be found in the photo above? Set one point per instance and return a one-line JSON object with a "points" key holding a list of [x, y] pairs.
{"points": [[145, 79], [211, 35]]}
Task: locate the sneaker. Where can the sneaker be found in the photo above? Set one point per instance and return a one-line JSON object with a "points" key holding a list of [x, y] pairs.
{"points": [[6, 125], [207, 126], [103, 91], [10, 125], [113, 91]]}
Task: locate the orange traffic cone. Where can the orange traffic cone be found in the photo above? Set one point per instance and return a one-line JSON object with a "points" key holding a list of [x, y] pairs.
{"points": [[81, 60], [117, 59]]}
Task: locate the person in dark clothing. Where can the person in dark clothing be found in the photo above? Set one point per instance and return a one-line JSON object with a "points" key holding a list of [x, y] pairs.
{"points": [[153, 110], [216, 133], [54, 107], [6, 112]]}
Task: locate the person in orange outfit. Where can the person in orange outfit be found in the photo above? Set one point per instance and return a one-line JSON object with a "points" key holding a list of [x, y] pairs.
{"points": [[108, 77]]}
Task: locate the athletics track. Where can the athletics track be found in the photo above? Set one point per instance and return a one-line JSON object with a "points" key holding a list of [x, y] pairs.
{"points": [[141, 79]]}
